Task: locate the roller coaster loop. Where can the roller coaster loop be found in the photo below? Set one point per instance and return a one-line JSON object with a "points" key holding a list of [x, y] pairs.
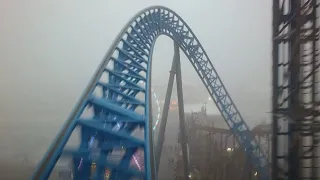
{"points": [[114, 97]]}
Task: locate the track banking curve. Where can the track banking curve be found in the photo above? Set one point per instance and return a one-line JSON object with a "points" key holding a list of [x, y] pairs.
{"points": [[126, 64]]}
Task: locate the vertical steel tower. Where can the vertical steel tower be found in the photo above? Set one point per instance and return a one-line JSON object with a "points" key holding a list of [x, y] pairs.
{"points": [[296, 100]]}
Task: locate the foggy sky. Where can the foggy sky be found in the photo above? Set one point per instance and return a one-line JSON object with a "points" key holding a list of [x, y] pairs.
{"points": [[50, 49]]}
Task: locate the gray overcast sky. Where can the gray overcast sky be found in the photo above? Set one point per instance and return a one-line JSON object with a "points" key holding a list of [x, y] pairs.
{"points": [[50, 49]]}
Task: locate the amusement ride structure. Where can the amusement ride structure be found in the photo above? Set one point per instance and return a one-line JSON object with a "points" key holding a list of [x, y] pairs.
{"points": [[120, 104], [115, 118]]}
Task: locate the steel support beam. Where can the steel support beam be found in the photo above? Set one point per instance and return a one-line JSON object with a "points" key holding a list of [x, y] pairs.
{"points": [[183, 135], [175, 71], [294, 171], [275, 89], [165, 112]]}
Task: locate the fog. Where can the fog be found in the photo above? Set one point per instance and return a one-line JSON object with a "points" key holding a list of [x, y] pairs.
{"points": [[49, 50]]}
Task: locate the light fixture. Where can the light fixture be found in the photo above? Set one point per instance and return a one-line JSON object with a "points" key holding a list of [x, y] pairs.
{"points": [[229, 149]]}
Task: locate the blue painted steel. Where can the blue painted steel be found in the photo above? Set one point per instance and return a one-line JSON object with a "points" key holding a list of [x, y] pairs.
{"points": [[116, 114]]}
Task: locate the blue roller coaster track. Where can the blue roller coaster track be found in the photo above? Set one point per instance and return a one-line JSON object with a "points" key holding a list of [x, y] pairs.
{"points": [[114, 96]]}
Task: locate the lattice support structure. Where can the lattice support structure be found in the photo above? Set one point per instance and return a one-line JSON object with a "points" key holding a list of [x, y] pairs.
{"points": [[119, 100], [295, 90]]}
